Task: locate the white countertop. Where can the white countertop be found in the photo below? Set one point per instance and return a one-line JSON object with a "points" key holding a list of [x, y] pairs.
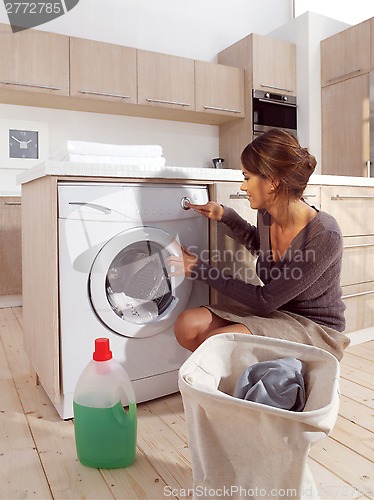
{"points": [[71, 169]]}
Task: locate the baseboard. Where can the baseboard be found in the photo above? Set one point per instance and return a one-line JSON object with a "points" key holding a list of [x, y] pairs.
{"points": [[10, 301], [361, 336]]}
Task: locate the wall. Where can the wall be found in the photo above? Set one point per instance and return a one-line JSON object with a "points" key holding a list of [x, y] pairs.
{"points": [[307, 31], [194, 29]]}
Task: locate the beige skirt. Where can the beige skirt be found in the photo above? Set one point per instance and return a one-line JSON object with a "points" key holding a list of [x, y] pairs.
{"points": [[287, 326]]}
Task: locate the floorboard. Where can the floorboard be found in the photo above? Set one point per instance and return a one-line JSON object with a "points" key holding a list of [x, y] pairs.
{"points": [[37, 449]]}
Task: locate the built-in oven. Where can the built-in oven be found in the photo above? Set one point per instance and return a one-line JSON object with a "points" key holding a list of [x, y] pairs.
{"points": [[273, 110]]}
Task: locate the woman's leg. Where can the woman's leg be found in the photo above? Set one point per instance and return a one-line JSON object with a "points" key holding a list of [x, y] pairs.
{"points": [[193, 326]]}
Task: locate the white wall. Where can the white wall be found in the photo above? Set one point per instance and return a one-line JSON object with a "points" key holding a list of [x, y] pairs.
{"points": [[307, 31], [194, 28]]}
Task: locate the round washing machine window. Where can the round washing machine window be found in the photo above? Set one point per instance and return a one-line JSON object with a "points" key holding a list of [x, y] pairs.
{"points": [[129, 285]]}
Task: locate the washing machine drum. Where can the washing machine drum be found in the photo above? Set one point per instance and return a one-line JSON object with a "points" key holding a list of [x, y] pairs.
{"points": [[129, 285]]}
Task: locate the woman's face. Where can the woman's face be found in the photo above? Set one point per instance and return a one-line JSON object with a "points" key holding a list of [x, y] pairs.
{"points": [[260, 191]]}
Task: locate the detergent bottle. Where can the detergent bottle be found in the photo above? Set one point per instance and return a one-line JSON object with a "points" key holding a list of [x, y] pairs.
{"points": [[105, 432]]}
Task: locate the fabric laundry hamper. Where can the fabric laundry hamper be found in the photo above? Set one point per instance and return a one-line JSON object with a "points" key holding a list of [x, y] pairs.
{"points": [[243, 449]]}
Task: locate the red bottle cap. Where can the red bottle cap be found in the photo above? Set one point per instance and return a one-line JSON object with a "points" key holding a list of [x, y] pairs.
{"points": [[102, 351]]}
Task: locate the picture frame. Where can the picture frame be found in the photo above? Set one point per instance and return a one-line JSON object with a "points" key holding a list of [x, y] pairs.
{"points": [[17, 137]]}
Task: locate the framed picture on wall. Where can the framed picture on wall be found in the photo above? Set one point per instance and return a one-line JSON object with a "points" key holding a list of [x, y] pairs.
{"points": [[23, 143]]}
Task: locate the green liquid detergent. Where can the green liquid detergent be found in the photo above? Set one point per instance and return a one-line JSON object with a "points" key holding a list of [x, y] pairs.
{"points": [[105, 437]]}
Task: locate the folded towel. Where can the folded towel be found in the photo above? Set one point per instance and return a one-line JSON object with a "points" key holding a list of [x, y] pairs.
{"points": [[99, 149], [278, 383], [119, 160]]}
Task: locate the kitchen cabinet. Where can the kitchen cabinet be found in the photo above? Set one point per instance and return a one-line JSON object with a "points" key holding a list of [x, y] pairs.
{"points": [[10, 246], [102, 71], [346, 54], [269, 64], [345, 115], [219, 89], [353, 208], [165, 80], [34, 61]]}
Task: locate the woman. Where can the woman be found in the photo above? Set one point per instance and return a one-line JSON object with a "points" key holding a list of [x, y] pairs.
{"points": [[299, 252]]}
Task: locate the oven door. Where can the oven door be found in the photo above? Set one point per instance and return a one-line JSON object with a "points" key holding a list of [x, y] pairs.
{"points": [[274, 111]]}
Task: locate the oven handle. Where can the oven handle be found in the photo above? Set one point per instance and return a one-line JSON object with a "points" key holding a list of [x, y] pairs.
{"points": [[289, 105]]}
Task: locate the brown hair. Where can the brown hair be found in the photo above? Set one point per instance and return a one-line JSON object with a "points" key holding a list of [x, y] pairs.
{"points": [[277, 155]]}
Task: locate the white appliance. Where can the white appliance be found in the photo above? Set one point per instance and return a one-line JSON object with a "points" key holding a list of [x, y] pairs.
{"points": [[114, 241]]}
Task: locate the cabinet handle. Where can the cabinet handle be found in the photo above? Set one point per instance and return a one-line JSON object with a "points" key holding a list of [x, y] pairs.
{"points": [[361, 245], [12, 203], [223, 109], [306, 195], [168, 102], [345, 75], [34, 85], [276, 88], [358, 294], [106, 94], [352, 197], [289, 105], [238, 196]]}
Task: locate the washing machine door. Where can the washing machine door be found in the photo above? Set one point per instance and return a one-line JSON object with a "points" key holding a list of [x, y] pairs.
{"points": [[129, 285]]}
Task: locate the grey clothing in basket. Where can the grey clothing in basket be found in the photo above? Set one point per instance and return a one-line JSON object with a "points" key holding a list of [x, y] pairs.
{"points": [[300, 298], [278, 383]]}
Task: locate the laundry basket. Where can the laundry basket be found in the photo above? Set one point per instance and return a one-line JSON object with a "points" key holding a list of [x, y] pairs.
{"points": [[243, 449]]}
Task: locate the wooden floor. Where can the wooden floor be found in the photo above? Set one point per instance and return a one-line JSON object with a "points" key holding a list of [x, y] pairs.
{"points": [[37, 449]]}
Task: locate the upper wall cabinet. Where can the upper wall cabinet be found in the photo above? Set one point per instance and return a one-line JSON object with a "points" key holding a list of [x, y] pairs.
{"points": [[34, 61], [102, 71], [274, 65], [165, 81], [346, 54], [219, 89]]}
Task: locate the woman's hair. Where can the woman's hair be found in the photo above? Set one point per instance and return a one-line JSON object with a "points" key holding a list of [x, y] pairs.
{"points": [[277, 155]]}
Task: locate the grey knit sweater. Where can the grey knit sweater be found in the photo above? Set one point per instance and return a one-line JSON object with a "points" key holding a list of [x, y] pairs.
{"points": [[305, 281]]}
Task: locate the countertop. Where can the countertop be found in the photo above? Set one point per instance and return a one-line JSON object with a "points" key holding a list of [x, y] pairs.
{"points": [[71, 169]]}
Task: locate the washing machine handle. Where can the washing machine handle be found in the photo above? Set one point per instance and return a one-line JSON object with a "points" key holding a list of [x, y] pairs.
{"points": [[101, 208]]}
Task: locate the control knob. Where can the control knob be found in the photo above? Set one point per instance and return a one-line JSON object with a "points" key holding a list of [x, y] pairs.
{"points": [[184, 202]]}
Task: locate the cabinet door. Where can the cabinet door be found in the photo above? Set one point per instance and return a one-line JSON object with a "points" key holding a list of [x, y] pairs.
{"points": [[10, 246], [359, 301], [346, 127], [219, 89], [34, 61], [166, 81], [229, 256], [274, 65], [346, 54], [102, 71], [352, 207]]}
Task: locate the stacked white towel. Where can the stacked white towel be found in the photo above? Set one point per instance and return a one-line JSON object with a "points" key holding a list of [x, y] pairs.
{"points": [[94, 152]]}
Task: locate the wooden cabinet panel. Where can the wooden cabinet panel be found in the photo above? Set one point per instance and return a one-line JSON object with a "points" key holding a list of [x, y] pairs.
{"points": [[312, 195], [219, 89], [274, 65], [166, 81], [352, 207], [34, 61], [346, 54], [359, 301], [358, 259], [346, 127], [102, 71], [10, 246]]}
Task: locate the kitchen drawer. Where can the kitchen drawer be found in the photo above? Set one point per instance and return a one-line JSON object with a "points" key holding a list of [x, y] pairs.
{"points": [[358, 259], [359, 300], [352, 207]]}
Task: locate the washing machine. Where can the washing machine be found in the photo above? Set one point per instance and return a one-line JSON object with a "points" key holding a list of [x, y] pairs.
{"points": [[114, 279]]}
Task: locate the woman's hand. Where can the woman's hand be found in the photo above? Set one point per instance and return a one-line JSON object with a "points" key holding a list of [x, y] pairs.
{"points": [[182, 264], [211, 210]]}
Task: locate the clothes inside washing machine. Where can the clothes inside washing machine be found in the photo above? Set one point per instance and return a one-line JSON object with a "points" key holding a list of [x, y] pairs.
{"points": [[137, 285]]}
